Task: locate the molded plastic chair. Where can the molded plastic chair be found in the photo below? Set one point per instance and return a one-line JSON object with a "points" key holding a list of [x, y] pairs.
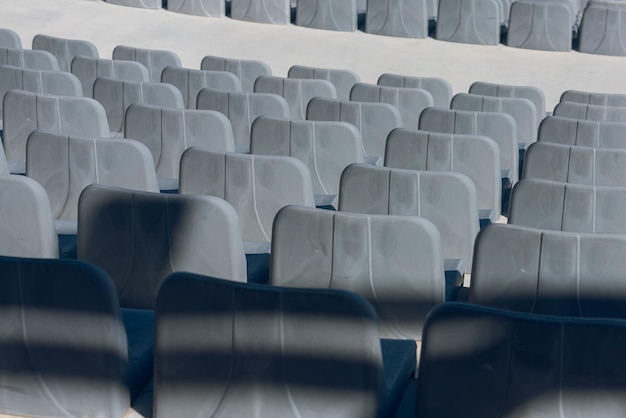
{"points": [[246, 70], [89, 69], [10, 39], [327, 14], [403, 18], [343, 80], [65, 49], [534, 94], [209, 8], [470, 21], [32, 59], [597, 113], [602, 29], [263, 11], [440, 89], [566, 131], [144, 4], [190, 82], [155, 60]]}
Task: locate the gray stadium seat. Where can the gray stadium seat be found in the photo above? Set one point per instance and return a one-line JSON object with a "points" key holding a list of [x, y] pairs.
{"points": [[267, 351], [262, 11], [373, 120], [169, 132], [139, 238], [144, 4], [522, 110], [242, 109], [327, 14], [510, 364], [297, 92], [155, 60], [210, 8], [89, 69], [440, 89], [32, 59], [343, 80], [601, 99], [409, 101], [325, 147], [65, 49], [469, 21], [10, 39], [65, 165], [478, 157], [257, 186], [190, 82], [446, 199], [597, 113], [246, 70], [577, 165], [534, 94], [63, 345], [403, 18], [602, 29], [24, 112], [26, 222], [585, 133], [116, 95], [541, 24], [395, 262]]}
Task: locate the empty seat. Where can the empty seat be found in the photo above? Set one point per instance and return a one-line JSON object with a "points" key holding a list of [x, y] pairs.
{"points": [[169, 132], [190, 82], [155, 60], [541, 24], [325, 147], [403, 18], [578, 165], [440, 89], [478, 157], [513, 364], [327, 14], [65, 165], [63, 345], [534, 94], [446, 199], [602, 31], [10, 39], [601, 99], [343, 80], [264, 351], [395, 262], [242, 109], [469, 21], [257, 186], [116, 95], [24, 112], [139, 238], [297, 92], [585, 133], [409, 101], [144, 4], [89, 69], [246, 70], [522, 110], [29, 58], [65, 49], [210, 8], [597, 113], [262, 11], [26, 222], [373, 120]]}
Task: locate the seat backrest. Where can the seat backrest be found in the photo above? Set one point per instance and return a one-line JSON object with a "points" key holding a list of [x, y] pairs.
{"points": [[478, 157], [64, 165], [577, 165], [409, 101], [10, 39], [155, 60], [24, 112], [207, 8], [439, 88], [406, 19], [601, 99], [89, 69], [395, 262], [325, 147], [190, 82], [584, 133], [117, 95], [297, 92], [29, 58], [263, 11], [373, 120], [446, 199], [549, 272], [286, 352], [498, 126], [169, 132], [139, 238], [534, 94], [257, 186], [63, 345], [246, 70], [511, 364], [343, 80], [26, 221], [242, 109], [321, 14], [65, 49], [471, 22], [598, 113], [522, 110]]}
